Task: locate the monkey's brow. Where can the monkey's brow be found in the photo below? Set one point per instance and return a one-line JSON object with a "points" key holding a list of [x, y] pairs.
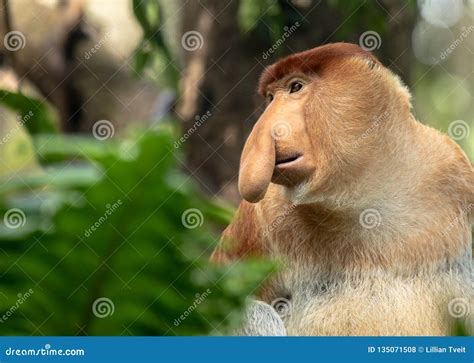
{"points": [[311, 61], [282, 81]]}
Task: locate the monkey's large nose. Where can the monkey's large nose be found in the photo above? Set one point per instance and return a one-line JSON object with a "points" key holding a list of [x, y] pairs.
{"points": [[257, 163]]}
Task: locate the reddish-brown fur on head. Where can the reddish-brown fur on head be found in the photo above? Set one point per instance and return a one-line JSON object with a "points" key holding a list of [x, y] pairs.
{"points": [[311, 61]]}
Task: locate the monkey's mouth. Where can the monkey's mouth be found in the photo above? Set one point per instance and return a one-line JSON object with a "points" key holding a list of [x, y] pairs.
{"points": [[285, 161], [291, 168]]}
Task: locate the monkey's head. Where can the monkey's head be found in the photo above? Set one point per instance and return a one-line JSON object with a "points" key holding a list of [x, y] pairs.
{"points": [[326, 111]]}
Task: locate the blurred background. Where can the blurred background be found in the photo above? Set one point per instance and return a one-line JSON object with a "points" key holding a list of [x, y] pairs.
{"points": [[121, 127]]}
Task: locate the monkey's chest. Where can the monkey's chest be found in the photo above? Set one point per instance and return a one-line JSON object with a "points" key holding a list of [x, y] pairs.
{"points": [[318, 304]]}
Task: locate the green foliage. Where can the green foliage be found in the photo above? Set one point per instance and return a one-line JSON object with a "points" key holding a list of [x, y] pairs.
{"points": [[106, 232], [267, 19], [373, 17], [16, 147], [441, 101], [153, 51], [35, 114], [264, 13], [460, 329]]}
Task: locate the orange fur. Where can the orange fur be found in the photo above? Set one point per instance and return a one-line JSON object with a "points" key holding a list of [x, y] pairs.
{"points": [[354, 146]]}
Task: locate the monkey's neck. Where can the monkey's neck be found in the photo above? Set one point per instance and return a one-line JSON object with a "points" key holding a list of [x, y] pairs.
{"points": [[397, 214], [398, 174]]}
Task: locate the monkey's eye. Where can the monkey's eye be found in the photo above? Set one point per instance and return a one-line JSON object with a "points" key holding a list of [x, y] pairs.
{"points": [[295, 86]]}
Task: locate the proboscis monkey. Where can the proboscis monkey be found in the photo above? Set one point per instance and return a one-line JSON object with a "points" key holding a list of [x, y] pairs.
{"points": [[370, 211]]}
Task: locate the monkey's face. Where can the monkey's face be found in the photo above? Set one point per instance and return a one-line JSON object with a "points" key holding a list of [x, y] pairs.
{"points": [[279, 149], [316, 115]]}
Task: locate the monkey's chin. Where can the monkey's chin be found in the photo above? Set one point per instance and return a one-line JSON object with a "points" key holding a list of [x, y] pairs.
{"points": [[298, 194], [293, 173]]}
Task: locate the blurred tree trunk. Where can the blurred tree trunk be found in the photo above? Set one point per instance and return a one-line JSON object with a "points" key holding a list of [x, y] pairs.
{"points": [[46, 60], [221, 76]]}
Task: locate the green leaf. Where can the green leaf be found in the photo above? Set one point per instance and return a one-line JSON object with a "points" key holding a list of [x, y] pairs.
{"points": [[118, 233], [34, 113], [142, 59], [153, 51]]}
